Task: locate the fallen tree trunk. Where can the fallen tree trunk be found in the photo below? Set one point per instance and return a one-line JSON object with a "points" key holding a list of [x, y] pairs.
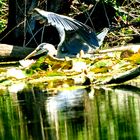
{"points": [[11, 52]]}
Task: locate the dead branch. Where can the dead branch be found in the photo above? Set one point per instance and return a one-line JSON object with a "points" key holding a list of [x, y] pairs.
{"points": [[128, 75], [8, 52], [133, 47]]}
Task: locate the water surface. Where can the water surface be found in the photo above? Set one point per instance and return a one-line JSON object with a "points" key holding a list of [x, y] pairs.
{"points": [[70, 114]]}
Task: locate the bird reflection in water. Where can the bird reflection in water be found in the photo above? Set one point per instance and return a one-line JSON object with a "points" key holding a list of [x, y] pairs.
{"points": [[43, 113], [67, 101]]}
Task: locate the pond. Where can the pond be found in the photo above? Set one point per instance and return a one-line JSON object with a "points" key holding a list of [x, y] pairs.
{"points": [[81, 113]]}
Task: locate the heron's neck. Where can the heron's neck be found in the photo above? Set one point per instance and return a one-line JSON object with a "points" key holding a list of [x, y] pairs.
{"points": [[62, 36]]}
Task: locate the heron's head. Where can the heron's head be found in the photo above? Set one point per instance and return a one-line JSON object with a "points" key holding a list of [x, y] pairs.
{"points": [[43, 48]]}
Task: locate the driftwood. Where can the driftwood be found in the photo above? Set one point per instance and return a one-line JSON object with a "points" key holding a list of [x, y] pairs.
{"points": [[128, 75], [133, 47], [11, 52]]}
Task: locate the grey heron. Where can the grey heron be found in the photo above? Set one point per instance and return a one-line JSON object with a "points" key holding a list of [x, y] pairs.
{"points": [[74, 35]]}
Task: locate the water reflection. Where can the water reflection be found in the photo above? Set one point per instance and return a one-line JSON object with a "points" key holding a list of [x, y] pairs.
{"points": [[78, 114]]}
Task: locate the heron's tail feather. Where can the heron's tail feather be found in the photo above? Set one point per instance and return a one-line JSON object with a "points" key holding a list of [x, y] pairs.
{"points": [[101, 36]]}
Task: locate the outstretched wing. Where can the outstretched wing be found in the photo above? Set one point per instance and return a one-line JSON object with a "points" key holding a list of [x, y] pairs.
{"points": [[69, 24], [60, 20]]}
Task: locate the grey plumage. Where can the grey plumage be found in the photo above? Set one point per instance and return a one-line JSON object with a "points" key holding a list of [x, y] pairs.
{"points": [[74, 35]]}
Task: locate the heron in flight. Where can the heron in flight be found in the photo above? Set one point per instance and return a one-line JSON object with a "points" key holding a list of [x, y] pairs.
{"points": [[74, 35]]}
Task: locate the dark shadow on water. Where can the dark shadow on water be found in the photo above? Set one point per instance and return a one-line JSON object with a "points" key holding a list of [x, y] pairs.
{"points": [[131, 88], [78, 114]]}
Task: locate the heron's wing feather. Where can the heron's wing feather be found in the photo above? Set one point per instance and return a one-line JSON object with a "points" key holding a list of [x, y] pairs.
{"points": [[69, 24], [60, 20], [90, 38]]}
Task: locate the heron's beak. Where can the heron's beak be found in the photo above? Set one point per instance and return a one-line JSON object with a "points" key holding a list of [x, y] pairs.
{"points": [[35, 53], [30, 55]]}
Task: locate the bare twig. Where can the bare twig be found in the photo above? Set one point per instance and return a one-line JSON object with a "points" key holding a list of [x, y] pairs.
{"points": [[133, 47]]}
